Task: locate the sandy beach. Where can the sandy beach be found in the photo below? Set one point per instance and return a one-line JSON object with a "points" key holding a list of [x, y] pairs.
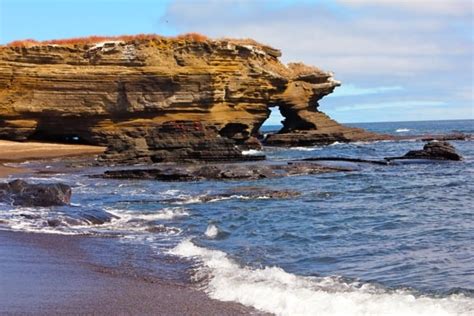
{"points": [[14, 152], [49, 274]]}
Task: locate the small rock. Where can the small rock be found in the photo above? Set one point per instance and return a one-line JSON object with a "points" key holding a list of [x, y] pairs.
{"points": [[54, 222]]}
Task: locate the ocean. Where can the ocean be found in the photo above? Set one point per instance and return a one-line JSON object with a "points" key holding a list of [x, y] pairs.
{"points": [[378, 240]]}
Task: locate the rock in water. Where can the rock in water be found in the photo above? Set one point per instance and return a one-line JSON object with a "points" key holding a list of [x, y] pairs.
{"points": [[153, 99], [198, 172], [434, 150], [21, 193]]}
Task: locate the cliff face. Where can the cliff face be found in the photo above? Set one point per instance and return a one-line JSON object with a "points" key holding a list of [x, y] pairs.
{"points": [[162, 99]]}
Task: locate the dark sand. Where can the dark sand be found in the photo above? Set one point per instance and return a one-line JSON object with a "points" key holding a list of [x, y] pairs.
{"points": [[45, 274]]}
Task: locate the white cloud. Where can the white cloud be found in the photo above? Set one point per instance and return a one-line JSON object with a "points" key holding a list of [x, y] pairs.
{"points": [[369, 43], [443, 7], [423, 46], [390, 105], [353, 90]]}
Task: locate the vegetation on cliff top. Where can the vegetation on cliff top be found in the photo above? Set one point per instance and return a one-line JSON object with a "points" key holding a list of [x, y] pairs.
{"points": [[94, 39]]}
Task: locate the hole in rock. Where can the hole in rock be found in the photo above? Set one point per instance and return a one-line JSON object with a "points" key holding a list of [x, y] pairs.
{"points": [[273, 123]]}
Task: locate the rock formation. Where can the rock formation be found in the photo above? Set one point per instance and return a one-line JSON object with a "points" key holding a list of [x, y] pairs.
{"points": [[152, 99], [433, 150]]}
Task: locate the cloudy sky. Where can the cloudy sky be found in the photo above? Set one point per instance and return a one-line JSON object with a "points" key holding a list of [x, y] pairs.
{"points": [[398, 60]]}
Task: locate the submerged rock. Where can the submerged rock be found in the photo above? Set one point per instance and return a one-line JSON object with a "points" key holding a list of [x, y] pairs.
{"points": [[219, 172], [21, 193], [73, 217], [251, 192]]}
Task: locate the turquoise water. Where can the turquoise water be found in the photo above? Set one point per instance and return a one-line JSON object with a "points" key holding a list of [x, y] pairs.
{"points": [[376, 240]]}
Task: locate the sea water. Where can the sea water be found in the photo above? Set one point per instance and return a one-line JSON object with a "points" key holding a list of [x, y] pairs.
{"points": [[379, 240]]}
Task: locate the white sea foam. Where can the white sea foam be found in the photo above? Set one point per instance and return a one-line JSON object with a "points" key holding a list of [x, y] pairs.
{"points": [[252, 152], [170, 192], [124, 222], [305, 148], [402, 130], [212, 231], [166, 213], [205, 198], [273, 290], [186, 199]]}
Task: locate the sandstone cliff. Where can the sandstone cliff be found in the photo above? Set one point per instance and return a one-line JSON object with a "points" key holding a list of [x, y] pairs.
{"points": [[160, 99]]}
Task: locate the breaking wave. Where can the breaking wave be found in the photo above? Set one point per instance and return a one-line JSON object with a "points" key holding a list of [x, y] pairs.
{"points": [[305, 148], [273, 290], [252, 152]]}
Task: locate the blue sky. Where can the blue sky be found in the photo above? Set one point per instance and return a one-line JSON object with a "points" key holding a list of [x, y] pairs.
{"points": [[398, 60]]}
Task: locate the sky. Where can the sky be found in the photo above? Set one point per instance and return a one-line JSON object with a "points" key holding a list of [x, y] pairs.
{"points": [[398, 60]]}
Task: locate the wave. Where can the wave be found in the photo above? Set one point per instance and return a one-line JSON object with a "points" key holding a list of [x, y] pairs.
{"points": [[305, 148], [205, 198], [274, 290], [402, 130], [108, 221], [252, 152], [166, 213], [212, 231]]}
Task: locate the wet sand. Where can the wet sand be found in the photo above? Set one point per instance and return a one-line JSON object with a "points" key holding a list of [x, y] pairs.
{"points": [[6, 171], [21, 151], [45, 274]]}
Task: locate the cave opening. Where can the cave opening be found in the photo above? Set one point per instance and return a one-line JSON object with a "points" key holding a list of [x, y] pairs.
{"points": [[63, 131]]}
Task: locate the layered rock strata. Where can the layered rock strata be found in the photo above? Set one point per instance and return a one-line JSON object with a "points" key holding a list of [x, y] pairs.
{"points": [[162, 99]]}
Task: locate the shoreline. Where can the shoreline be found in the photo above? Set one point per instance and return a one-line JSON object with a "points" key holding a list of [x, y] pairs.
{"points": [[50, 274], [17, 152], [46, 274]]}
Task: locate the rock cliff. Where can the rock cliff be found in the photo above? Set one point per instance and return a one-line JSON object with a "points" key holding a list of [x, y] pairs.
{"points": [[152, 99]]}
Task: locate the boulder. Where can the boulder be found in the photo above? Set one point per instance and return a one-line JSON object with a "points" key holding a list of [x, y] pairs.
{"points": [[434, 150], [21, 193]]}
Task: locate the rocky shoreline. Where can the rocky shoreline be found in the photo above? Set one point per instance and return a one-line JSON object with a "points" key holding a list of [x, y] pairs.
{"points": [[167, 110]]}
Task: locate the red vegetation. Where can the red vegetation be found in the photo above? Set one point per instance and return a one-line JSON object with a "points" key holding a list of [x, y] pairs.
{"points": [[26, 42], [196, 37]]}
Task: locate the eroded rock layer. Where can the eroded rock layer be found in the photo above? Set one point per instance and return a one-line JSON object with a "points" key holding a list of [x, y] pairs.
{"points": [[162, 99]]}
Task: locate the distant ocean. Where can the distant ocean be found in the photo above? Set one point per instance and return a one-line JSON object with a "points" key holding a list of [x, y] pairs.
{"points": [[380, 240]]}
